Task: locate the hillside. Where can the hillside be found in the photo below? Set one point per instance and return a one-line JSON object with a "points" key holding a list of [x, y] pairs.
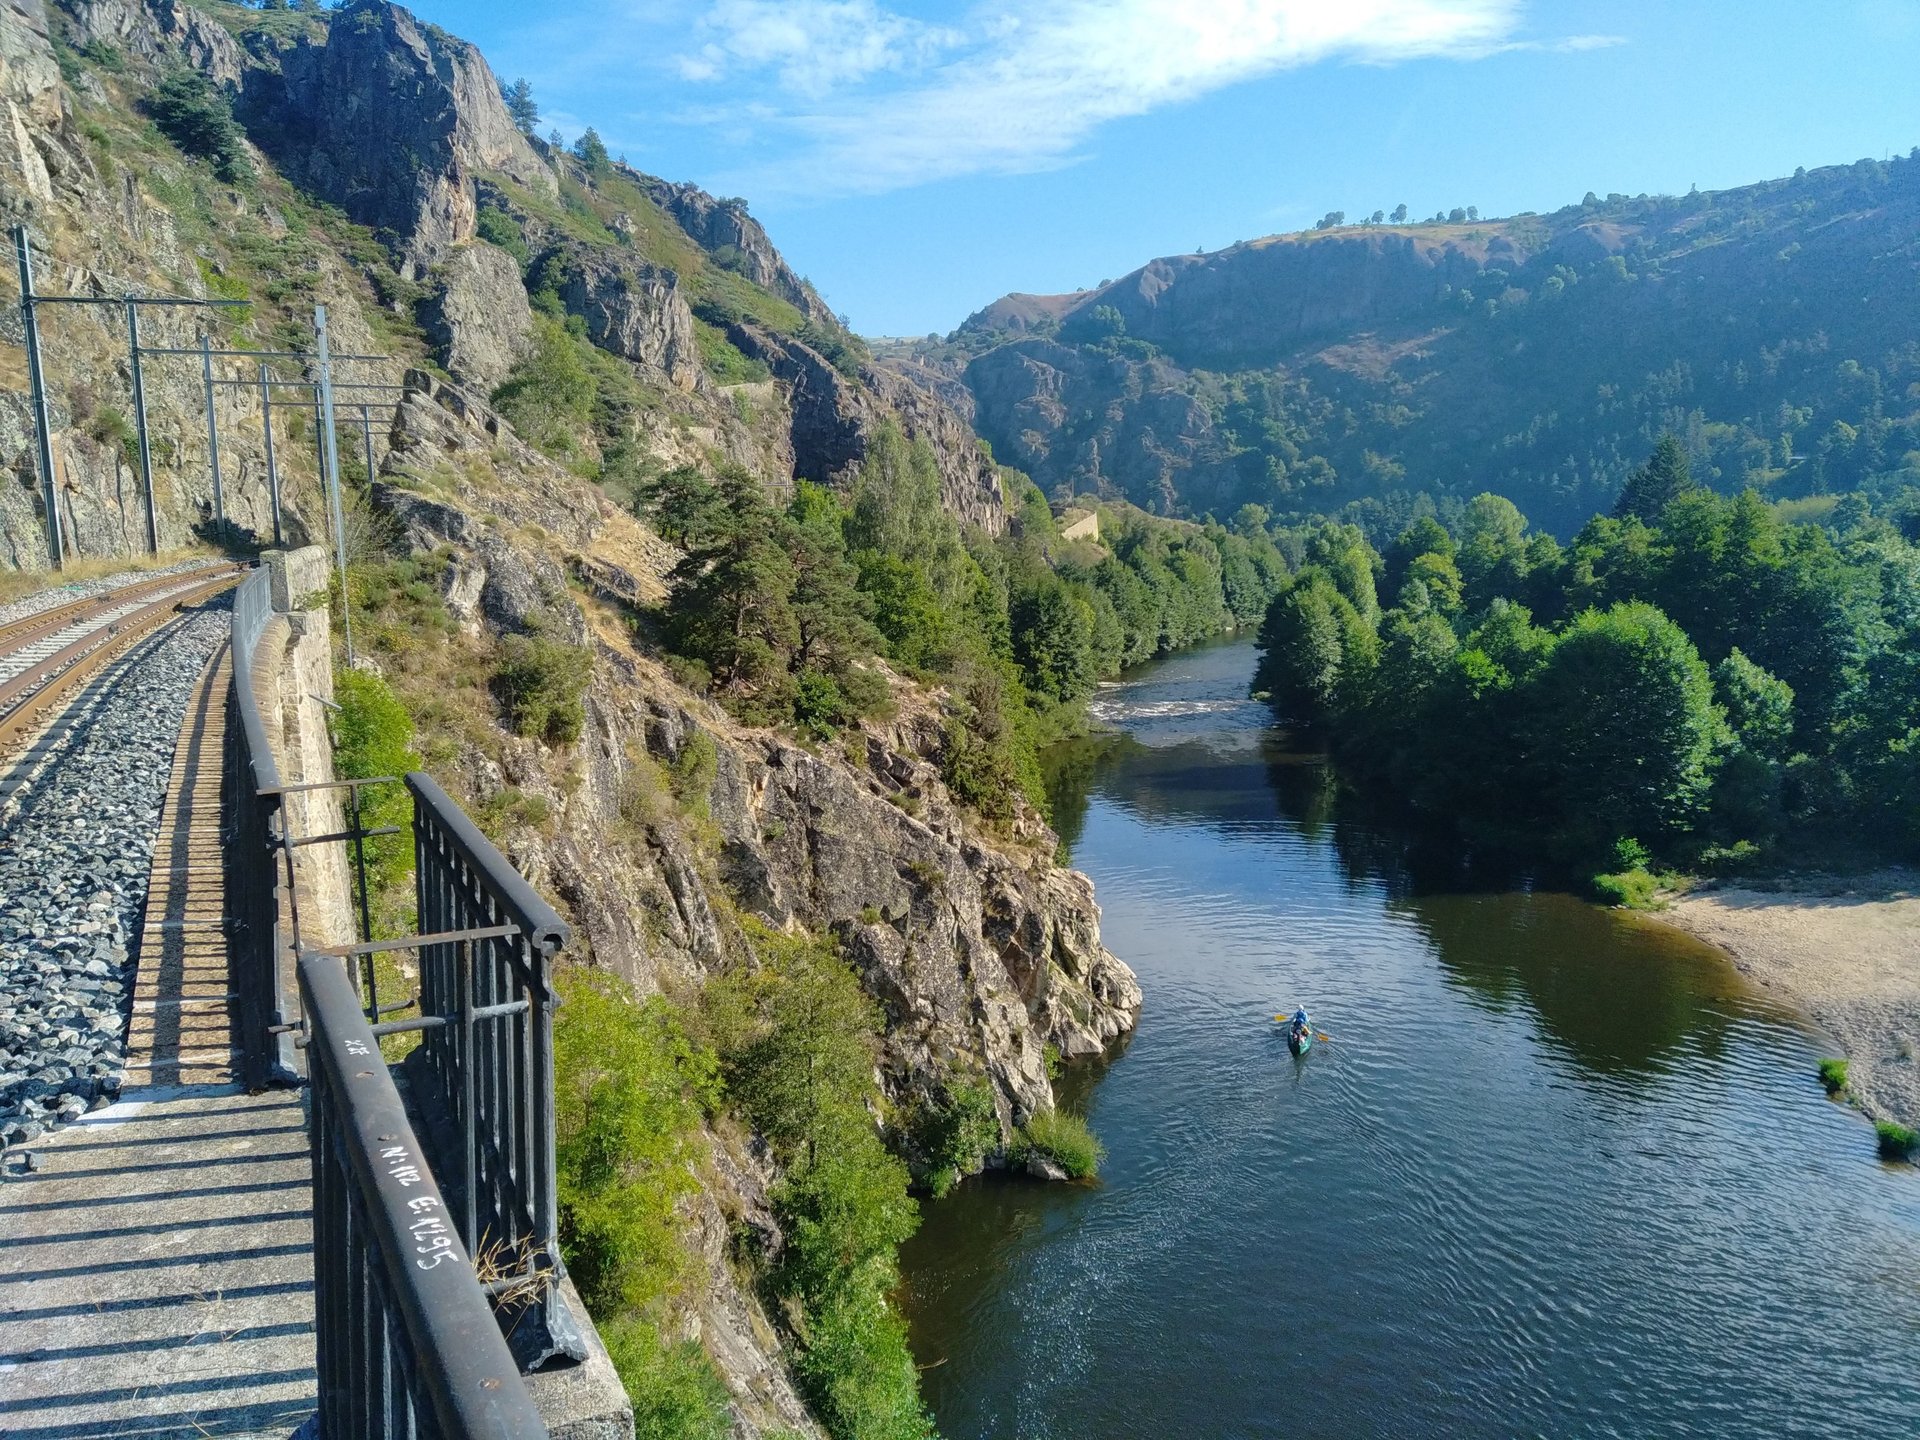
{"points": [[375, 169], [781, 784], [1772, 326]]}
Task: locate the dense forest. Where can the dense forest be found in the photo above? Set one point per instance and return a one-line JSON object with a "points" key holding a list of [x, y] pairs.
{"points": [[1694, 678], [1361, 368], [780, 612]]}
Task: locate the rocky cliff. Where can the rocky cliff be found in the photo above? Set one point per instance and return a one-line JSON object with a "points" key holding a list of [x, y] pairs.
{"points": [[982, 953]]}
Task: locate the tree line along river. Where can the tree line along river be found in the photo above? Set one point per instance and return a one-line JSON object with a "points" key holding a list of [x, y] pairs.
{"points": [[1559, 1171]]}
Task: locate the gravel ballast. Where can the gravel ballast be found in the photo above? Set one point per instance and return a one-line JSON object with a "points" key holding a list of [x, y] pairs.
{"points": [[77, 835]]}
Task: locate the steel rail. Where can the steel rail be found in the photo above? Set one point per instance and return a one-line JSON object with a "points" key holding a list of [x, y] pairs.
{"points": [[27, 628], [28, 694]]}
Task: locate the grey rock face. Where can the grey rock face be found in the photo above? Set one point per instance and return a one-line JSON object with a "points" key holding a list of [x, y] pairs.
{"points": [[1079, 417], [725, 227], [833, 416], [162, 32], [391, 120], [634, 309], [480, 319]]}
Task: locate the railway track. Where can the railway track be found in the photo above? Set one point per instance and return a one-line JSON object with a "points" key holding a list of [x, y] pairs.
{"points": [[44, 656]]}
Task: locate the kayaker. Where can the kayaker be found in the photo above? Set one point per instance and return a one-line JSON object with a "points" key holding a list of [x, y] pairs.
{"points": [[1299, 1024]]}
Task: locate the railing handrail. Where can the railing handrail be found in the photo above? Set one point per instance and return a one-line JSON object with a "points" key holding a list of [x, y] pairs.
{"points": [[461, 1363], [543, 927]]}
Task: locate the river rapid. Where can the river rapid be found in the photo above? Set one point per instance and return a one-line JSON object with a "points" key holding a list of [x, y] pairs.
{"points": [[1559, 1171]]}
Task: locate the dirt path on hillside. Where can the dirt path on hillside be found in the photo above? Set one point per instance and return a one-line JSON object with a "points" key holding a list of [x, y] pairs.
{"points": [[1846, 950]]}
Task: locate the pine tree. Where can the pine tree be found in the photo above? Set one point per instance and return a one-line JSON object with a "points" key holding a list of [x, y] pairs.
{"points": [[591, 151], [520, 105], [1656, 484]]}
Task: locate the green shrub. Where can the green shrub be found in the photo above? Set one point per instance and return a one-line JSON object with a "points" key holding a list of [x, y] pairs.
{"points": [[629, 1087], [199, 119], [958, 1132], [1066, 1140], [497, 227], [695, 769], [1833, 1075], [542, 682], [859, 1373], [1630, 889], [373, 736], [676, 1393], [1897, 1142], [796, 1038]]}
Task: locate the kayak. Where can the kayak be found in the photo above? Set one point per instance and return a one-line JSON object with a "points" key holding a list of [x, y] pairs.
{"points": [[1299, 1041]]}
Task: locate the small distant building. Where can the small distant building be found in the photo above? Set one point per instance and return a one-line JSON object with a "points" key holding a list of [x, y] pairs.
{"points": [[1078, 524]]}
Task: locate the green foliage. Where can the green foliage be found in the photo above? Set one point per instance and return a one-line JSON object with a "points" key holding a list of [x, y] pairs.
{"points": [[199, 119], [372, 737], [1897, 1142], [521, 105], [796, 1036], [549, 397], [1629, 889], [1666, 476], [497, 227], [542, 681], [591, 151], [1065, 1139], [1606, 720], [676, 1392], [1833, 1075], [629, 1089], [766, 601], [957, 1132], [724, 361]]}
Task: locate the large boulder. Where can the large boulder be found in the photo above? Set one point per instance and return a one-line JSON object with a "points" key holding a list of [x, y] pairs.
{"points": [[480, 319]]}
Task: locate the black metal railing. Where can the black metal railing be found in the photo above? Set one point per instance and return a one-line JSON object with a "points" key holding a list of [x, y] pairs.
{"points": [[255, 827], [408, 1331], [407, 1343]]}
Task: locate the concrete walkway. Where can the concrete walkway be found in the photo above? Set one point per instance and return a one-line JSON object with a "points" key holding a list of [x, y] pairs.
{"points": [[156, 1274]]}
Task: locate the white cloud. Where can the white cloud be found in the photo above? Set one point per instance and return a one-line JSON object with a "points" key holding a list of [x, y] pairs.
{"points": [[1026, 85], [812, 47]]}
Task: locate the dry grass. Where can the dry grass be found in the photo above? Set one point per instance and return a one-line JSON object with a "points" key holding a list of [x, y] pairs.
{"points": [[19, 584]]}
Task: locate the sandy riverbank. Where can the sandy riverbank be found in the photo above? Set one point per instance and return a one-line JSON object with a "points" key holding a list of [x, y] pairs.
{"points": [[1844, 949]]}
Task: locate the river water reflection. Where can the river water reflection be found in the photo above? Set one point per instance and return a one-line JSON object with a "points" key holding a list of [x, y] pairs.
{"points": [[1559, 1171]]}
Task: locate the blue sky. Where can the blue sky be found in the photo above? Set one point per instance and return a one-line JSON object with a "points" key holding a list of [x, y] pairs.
{"points": [[918, 158]]}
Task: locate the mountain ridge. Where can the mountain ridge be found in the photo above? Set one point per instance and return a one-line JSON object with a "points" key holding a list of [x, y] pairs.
{"points": [[1312, 370]]}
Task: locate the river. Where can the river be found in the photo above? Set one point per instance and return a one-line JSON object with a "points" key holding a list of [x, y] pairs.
{"points": [[1559, 1171]]}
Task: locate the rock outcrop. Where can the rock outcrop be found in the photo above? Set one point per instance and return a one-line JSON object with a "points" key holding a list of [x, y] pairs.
{"points": [[392, 120], [479, 318], [726, 230], [981, 955], [636, 310], [833, 416]]}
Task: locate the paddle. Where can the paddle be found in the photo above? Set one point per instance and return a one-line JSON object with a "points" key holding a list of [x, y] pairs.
{"points": [[1318, 1034]]}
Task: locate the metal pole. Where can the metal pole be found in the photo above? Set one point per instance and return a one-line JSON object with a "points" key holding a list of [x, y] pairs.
{"points": [[140, 423], [273, 473], [366, 439], [213, 443], [329, 448], [42, 426]]}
